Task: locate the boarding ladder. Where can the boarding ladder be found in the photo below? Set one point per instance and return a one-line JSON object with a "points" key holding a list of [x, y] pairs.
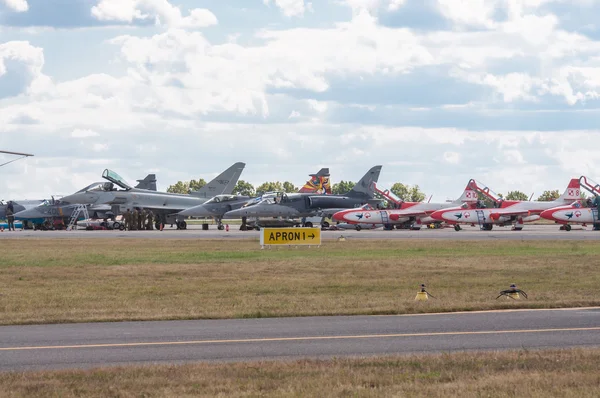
{"points": [[594, 188], [80, 209], [384, 217]]}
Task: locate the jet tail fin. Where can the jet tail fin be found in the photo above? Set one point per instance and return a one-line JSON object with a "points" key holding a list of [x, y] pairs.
{"points": [[469, 195], [318, 183], [223, 184], [365, 187], [148, 183], [572, 193]]}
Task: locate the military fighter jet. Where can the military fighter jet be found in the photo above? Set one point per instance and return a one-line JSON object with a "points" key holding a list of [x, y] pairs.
{"points": [[301, 205], [403, 215], [60, 209], [221, 204], [506, 212], [163, 205], [579, 212]]}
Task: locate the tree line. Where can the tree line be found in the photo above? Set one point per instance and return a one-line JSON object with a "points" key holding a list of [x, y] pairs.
{"points": [[408, 193]]}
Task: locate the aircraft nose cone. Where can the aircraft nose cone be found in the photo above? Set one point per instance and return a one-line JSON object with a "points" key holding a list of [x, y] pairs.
{"points": [[339, 216], [437, 215], [197, 211], [30, 213], [81, 198], [243, 212], [548, 214]]}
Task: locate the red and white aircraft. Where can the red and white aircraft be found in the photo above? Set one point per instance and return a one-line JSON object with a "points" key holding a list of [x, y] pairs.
{"points": [[576, 213], [404, 215], [506, 212]]}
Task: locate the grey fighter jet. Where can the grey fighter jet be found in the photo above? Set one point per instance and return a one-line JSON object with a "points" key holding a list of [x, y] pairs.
{"points": [[61, 210], [163, 205], [301, 205], [221, 204]]}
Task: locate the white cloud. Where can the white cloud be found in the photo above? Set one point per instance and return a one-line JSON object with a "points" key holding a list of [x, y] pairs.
{"points": [[291, 8], [451, 157], [16, 5], [373, 5], [26, 60], [162, 11], [79, 133]]}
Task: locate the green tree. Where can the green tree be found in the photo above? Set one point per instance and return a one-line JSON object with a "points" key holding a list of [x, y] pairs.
{"points": [[269, 187], [186, 187], [516, 195], [289, 187], [196, 185], [244, 188], [180, 187], [408, 193], [342, 187], [548, 196]]}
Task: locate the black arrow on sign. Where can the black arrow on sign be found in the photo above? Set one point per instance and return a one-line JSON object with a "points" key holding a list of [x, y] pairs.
{"points": [[312, 236]]}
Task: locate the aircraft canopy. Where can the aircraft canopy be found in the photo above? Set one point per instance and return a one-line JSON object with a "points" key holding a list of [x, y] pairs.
{"points": [[115, 178], [221, 198]]}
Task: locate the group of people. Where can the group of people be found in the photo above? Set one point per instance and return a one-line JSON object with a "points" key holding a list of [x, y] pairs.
{"points": [[139, 219]]}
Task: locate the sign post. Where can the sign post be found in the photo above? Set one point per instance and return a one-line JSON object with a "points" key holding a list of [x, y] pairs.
{"points": [[300, 236]]}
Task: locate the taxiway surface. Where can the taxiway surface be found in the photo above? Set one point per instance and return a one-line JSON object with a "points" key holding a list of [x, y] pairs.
{"points": [[104, 344], [530, 232]]}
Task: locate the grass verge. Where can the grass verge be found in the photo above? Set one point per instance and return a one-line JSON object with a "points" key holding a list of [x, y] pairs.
{"points": [[564, 373], [49, 281]]}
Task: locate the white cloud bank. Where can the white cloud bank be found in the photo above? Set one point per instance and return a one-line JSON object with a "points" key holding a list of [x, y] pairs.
{"points": [[174, 107], [16, 5], [162, 11]]}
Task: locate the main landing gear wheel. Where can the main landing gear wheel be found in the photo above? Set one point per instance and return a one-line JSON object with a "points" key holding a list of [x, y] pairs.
{"points": [[181, 225], [325, 224], [567, 227], [358, 227], [220, 227], [457, 227]]}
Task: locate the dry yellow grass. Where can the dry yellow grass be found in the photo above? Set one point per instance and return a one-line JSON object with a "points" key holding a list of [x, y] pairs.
{"points": [[532, 374], [43, 281]]}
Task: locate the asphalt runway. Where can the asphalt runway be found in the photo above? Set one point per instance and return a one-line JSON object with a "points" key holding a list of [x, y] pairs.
{"points": [[530, 232], [104, 344]]}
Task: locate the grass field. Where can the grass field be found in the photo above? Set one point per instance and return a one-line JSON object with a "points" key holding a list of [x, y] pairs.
{"points": [[565, 374], [49, 281]]}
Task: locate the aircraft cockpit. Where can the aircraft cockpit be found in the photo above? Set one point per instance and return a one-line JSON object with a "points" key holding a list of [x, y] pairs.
{"points": [[221, 198], [99, 187], [114, 178]]}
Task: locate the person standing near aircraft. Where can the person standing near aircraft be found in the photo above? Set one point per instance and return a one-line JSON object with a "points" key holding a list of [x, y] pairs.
{"points": [[134, 219], [10, 217], [127, 219], [149, 221], [143, 218]]}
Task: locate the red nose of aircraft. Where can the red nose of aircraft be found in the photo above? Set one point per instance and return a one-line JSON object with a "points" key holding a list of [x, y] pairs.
{"points": [[548, 214], [339, 216], [438, 215]]}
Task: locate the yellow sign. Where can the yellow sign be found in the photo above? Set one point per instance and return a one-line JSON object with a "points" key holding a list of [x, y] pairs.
{"points": [[290, 236]]}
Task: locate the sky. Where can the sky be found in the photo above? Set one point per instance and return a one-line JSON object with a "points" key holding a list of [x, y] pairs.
{"points": [[437, 91]]}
